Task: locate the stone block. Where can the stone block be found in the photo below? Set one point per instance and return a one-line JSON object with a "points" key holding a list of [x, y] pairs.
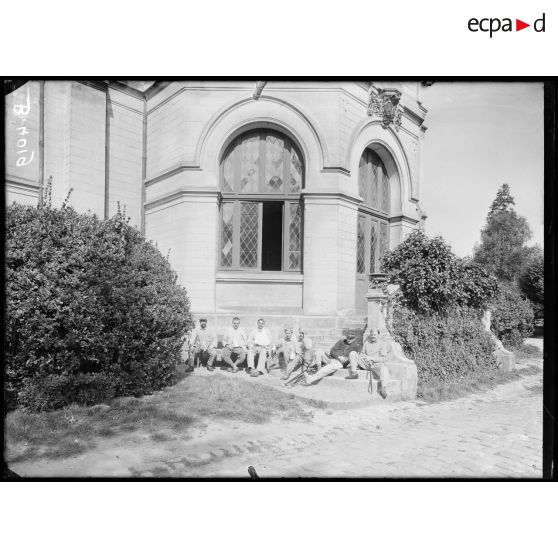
{"points": [[505, 359]]}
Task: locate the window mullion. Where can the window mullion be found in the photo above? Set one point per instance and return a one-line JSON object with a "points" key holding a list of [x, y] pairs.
{"points": [[260, 222], [287, 146], [286, 231], [237, 164], [367, 245], [261, 185], [236, 234]]}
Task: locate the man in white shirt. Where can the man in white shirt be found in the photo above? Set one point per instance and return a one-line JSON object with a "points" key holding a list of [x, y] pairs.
{"points": [[234, 341], [202, 343], [259, 342], [287, 349]]}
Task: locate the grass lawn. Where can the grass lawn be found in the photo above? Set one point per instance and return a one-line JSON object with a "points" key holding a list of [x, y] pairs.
{"points": [[75, 429], [439, 390]]}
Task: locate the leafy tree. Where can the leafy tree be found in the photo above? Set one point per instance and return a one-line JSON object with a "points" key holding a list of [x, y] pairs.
{"points": [[433, 279], [531, 281], [92, 309], [512, 317], [502, 251]]}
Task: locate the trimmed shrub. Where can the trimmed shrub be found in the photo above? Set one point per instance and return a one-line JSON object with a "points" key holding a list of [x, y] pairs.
{"points": [[512, 317], [93, 311], [445, 347], [433, 279]]}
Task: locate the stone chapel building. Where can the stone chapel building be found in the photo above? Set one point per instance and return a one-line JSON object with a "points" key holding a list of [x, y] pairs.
{"points": [[279, 196]]}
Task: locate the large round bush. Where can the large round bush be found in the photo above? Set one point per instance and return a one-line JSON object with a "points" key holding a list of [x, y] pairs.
{"points": [[93, 311], [512, 317]]}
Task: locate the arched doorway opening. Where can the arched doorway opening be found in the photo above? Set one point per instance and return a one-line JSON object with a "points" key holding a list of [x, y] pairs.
{"points": [[375, 189]]}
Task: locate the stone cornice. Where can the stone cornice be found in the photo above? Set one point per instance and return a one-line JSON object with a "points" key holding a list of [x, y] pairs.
{"points": [[339, 170], [279, 277], [329, 197], [23, 182], [404, 219], [167, 173], [203, 195]]}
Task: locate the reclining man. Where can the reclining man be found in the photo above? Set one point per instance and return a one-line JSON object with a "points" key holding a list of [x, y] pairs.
{"points": [[344, 352], [373, 357], [305, 355], [234, 341], [202, 343], [259, 342]]}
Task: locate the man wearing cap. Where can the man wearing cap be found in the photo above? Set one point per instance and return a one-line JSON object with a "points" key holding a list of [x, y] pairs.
{"points": [[344, 352], [234, 341], [259, 342], [202, 343]]}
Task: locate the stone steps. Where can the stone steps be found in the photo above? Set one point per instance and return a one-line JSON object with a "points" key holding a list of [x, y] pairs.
{"points": [[331, 392]]}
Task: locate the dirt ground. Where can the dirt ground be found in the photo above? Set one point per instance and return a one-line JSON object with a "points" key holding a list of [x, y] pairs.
{"points": [[497, 433]]}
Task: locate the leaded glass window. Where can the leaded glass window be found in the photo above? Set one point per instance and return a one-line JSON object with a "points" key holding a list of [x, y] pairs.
{"points": [[248, 234], [250, 165], [361, 244], [383, 239], [227, 235], [373, 181], [372, 229], [373, 241], [274, 163], [262, 163], [295, 237], [295, 172], [262, 175]]}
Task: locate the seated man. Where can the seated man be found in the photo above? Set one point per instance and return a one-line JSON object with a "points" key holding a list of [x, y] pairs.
{"points": [[259, 342], [234, 341], [287, 350], [202, 343], [343, 353], [375, 353], [306, 355]]}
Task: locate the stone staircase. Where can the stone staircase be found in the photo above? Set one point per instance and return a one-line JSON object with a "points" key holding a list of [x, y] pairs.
{"points": [[332, 391]]}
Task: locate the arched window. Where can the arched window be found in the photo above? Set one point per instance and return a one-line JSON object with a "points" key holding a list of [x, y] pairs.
{"points": [[373, 217], [262, 175]]}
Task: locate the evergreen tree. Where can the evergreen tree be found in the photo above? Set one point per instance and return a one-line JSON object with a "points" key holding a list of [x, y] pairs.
{"points": [[502, 250], [502, 202]]}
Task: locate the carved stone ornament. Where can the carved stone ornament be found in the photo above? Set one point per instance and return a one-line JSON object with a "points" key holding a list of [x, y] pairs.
{"points": [[379, 281], [385, 105], [259, 88]]}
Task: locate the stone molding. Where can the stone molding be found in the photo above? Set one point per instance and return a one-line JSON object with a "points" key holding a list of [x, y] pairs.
{"points": [[167, 173], [203, 196], [259, 277], [331, 198], [239, 126], [403, 219]]}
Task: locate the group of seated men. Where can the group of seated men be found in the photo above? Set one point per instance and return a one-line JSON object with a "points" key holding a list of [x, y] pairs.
{"points": [[292, 354]]}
